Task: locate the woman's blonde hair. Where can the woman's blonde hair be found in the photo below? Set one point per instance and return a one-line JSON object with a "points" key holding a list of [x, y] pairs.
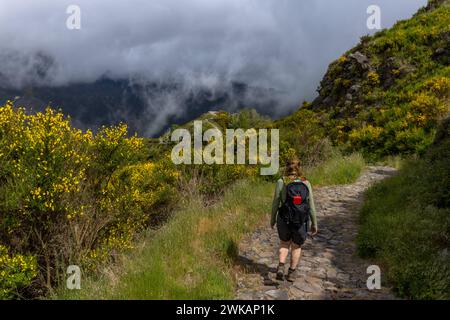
{"points": [[293, 168]]}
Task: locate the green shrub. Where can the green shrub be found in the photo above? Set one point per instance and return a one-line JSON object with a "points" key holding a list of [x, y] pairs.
{"points": [[303, 134], [249, 119], [212, 180], [16, 272]]}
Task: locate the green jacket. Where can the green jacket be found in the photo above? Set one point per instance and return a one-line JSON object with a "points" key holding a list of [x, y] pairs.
{"points": [[280, 197]]}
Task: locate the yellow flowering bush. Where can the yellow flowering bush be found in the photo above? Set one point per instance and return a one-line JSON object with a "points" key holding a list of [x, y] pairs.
{"points": [[68, 195], [42, 159], [365, 136], [286, 152], [439, 85], [302, 134], [342, 59], [426, 107], [374, 78], [16, 271], [133, 195]]}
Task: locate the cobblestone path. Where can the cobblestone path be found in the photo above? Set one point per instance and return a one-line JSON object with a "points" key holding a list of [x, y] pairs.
{"points": [[329, 267]]}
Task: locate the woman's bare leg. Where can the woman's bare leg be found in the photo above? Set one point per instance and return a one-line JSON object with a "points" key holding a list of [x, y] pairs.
{"points": [[284, 251], [296, 252]]}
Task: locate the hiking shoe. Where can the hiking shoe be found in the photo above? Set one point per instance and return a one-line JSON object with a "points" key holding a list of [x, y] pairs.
{"points": [[292, 275], [280, 273]]}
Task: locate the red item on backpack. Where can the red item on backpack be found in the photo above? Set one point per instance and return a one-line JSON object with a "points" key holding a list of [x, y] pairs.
{"points": [[297, 199]]}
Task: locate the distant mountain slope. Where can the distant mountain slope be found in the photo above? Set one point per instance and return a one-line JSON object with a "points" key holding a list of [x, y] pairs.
{"points": [[149, 108]]}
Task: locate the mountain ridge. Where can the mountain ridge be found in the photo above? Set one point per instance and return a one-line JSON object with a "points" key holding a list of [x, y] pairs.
{"points": [[141, 104]]}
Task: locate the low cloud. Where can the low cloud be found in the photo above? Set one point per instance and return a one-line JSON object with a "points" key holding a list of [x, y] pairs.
{"points": [[285, 45]]}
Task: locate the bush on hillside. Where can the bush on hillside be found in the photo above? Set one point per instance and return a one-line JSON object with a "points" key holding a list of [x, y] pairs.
{"points": [[16, 271], [302, 134], [68, 196]]}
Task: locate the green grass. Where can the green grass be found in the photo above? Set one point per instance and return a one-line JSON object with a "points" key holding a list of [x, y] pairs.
{"points": [[396, 161], [405, 226], [190, 257], [337, 170]]}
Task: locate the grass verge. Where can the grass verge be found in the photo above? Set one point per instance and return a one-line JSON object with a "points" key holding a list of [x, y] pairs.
{"points": [[406, 226], [337, 170]]}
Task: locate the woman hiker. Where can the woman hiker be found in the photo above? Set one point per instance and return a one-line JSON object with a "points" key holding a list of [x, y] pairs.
{"points": [[292, 209]]}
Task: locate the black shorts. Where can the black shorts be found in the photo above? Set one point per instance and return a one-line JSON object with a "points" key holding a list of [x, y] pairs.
{"points": [[290, 232]]}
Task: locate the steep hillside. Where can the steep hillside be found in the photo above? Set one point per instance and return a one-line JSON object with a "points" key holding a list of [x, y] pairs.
{"points": [[387, 95]]}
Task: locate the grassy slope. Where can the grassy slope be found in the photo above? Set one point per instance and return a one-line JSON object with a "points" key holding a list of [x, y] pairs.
{"points": [[406, 225], [337, 170], [191, 257]]}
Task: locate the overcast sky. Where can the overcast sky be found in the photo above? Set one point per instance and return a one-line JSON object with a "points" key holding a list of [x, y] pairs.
{"points": [[282, 44]]}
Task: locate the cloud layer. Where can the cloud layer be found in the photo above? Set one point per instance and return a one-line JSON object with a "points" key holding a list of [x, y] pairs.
{"points": [[281, 44]]}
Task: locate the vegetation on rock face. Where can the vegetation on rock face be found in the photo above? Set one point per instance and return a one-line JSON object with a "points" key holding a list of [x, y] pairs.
{"points": [[387, 95]]}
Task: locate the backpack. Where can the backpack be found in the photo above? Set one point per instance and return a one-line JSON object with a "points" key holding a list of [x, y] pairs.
{"points": [[295, 209]]}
